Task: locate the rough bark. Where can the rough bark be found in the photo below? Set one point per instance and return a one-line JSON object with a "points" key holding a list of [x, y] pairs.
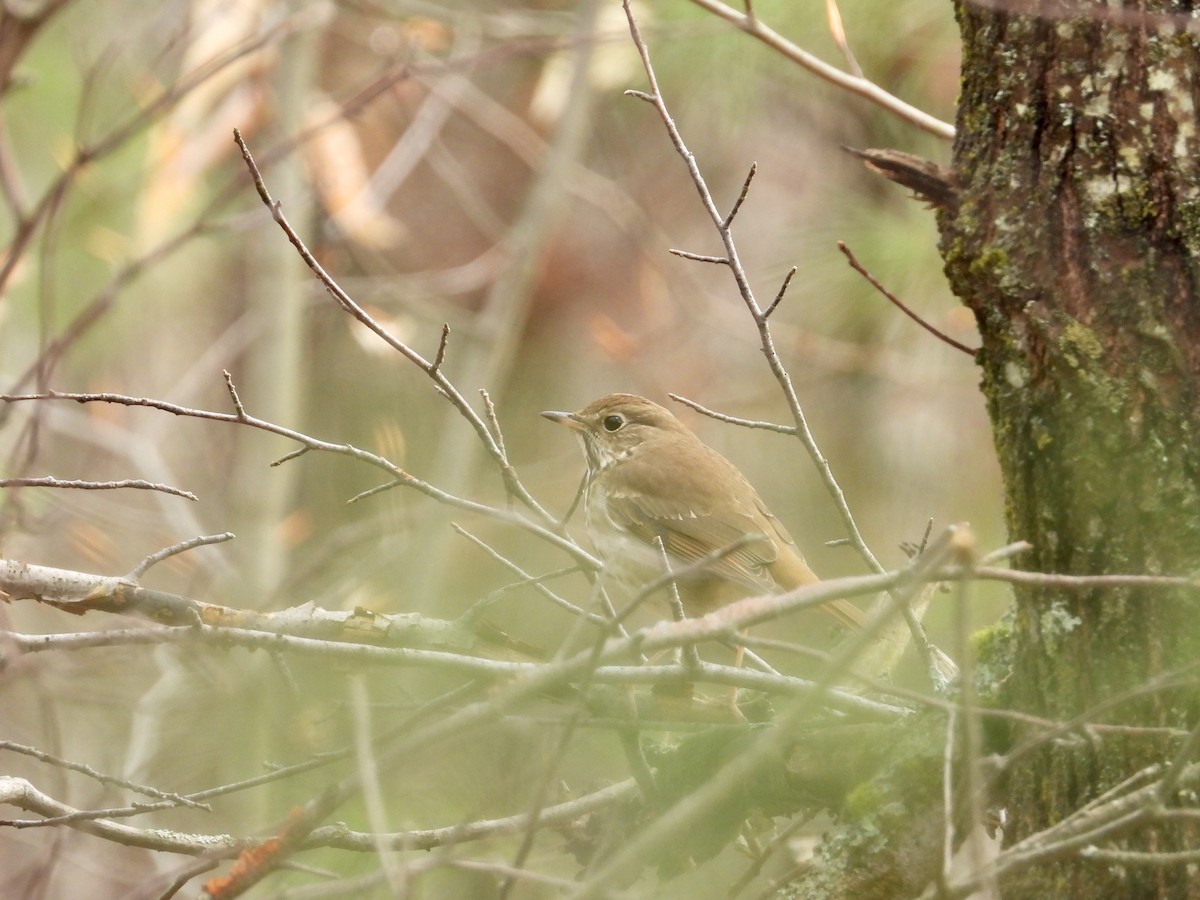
{"points": [[1075, 244]]}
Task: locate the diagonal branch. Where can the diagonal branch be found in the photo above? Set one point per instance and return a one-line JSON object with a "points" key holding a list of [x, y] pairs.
{"points": [[400, 476], [896, 301], [855, 84], [431, 368]]}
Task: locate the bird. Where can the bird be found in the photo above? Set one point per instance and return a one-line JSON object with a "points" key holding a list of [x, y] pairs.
{"points": [[650, 478]]}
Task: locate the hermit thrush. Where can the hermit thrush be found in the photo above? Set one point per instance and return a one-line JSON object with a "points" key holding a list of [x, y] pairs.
{"points": [[650, 477]]}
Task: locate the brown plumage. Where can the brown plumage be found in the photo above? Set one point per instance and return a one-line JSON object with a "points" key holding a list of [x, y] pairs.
{"points": [[649, 476]]}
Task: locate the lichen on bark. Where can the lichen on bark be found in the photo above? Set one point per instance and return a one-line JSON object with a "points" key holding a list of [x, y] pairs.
{"points": [[1074, 245]]}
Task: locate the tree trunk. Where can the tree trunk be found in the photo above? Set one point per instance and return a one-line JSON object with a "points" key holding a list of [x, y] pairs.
{"points": [[1075, 243]]}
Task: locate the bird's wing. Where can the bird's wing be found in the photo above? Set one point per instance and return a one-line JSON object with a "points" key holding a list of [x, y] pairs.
{"points": [[689, 532]]}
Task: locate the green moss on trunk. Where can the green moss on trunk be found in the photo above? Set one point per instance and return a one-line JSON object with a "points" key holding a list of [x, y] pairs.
{"points": [[1074, 245]]}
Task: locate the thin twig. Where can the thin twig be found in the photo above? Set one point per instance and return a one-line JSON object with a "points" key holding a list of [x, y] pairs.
{"points": [[400, 476], [1138, 858], [698, 257], [531, 580], [781, 839], [508, 474], [50, 481], [84, 769], [1073, 835], [541, 795], [145, 115], [1071, 582], [1006, 552], [782, 290], [733, 420], [233, 395], [697, 566], [440, 356], [754, 27], [1050, 728], [489, 410], [899, 304], [288, 457], [340, 837], [737, 204], [580, 493], [912, 550], [691, 656], [182, 547]]}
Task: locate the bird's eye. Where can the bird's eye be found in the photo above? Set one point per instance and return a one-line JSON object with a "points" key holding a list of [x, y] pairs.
{"points": [[613, 422]]}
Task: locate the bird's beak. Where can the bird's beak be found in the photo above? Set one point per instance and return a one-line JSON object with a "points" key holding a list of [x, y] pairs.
{"points": [[571, 420]]}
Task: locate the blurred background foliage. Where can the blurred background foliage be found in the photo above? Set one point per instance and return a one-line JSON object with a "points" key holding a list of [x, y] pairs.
{"points": [[472, 163]]}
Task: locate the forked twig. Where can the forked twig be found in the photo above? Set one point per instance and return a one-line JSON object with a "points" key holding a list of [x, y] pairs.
{"points": [[431, 368], [307, 442]]}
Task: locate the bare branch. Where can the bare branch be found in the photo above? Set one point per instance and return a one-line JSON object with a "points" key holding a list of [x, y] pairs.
{"points": [[51, 482], [337, 635], [1075, 834], [782, 290], [1003, 553], [1050, 729], [948, 795], [1137, 858], [22, 794], [691, 657], [145, 115], [154, 558], [400, 476], [42, 756], [512, 484], [489, 409], [733, 420], [971, 766], [754, 27], [288, 457], [874, 282], [440, 356], [233, 395], [1072, 582], [737, 204], [531, 580], [930, 182], [697, 257], [342, 838]]}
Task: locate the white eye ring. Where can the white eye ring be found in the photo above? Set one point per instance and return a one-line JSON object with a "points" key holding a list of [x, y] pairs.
{"points": [[613, 422]]}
